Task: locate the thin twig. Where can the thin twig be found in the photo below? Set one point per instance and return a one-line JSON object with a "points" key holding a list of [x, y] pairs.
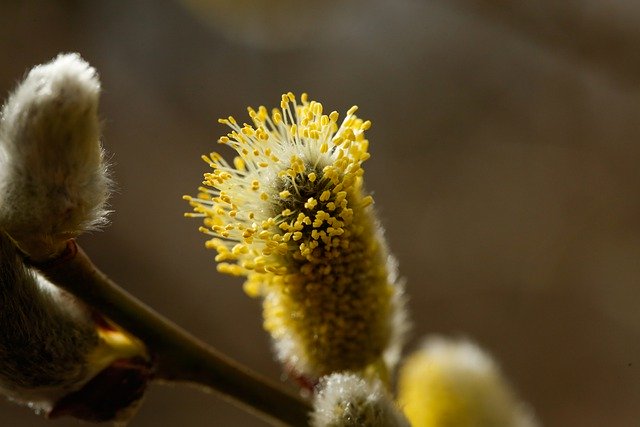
{"points": [[180, 357]]}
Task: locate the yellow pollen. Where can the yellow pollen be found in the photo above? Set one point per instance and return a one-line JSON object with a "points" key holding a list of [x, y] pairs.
{"points": [[289, 214], [326, 194], [368, 200], [311, 203]]}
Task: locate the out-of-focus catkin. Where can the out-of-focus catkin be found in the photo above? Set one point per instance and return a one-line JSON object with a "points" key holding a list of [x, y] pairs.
{"points": [[455, 383]]}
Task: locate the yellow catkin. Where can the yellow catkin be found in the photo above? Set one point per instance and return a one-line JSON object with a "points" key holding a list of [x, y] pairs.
{"points": [[455, 383], [307, 241]]}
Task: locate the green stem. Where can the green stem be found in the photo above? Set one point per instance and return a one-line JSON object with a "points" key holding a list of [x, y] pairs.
{"points": [[179, 356]]}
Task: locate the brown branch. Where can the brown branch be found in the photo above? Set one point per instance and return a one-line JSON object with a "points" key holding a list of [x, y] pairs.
{"points": [[180, 357]]}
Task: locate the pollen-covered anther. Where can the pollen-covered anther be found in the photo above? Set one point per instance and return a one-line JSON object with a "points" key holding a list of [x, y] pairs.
{"points": [[311, 203]]}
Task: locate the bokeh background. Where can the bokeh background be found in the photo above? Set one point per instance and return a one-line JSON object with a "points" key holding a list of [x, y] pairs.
{"points": [[505, 168]]}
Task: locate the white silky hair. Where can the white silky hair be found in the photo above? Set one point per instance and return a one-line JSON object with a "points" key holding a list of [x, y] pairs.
{"points": [[53, 178], [45, 335], [347, 400]]}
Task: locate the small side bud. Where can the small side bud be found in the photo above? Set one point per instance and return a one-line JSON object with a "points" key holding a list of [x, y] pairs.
{"points": [[455, 383], [53, 181], [346, 400], [54, 350]]}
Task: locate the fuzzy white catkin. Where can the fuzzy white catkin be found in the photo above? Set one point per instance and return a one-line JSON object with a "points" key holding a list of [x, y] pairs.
{"points": [[53, 180], [52, 347], [45, 337], [347, 400]]}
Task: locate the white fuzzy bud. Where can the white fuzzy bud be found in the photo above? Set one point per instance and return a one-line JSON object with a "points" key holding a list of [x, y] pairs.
{"points": [[455, 383], [45, 337], [347, 400], [59, 357], [53, 181]]}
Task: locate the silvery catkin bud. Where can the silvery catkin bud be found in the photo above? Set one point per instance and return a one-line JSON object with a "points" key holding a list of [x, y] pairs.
{"points": [[55, 354], [291, 214], [44, 336], [347, 400], [53, 181], [455, 383]]}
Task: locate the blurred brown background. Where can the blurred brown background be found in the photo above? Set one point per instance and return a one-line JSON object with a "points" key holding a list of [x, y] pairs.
{"points": [[506, 145]]}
